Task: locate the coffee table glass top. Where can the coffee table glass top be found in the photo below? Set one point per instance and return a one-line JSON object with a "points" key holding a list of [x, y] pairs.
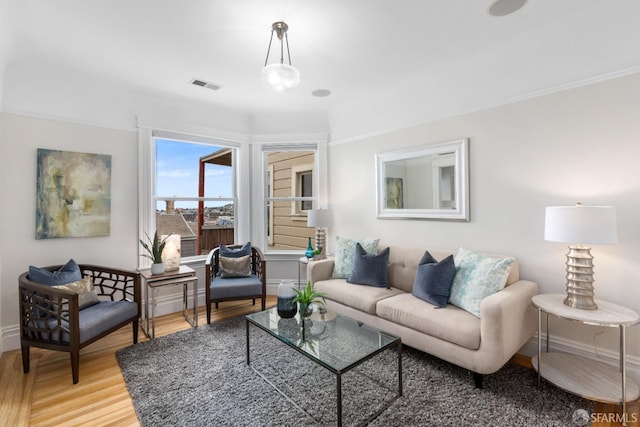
{"points": [[331, 339]]}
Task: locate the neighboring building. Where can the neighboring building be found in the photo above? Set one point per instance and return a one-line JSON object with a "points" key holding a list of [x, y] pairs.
{"points": [[289, 174], [173, 222]]}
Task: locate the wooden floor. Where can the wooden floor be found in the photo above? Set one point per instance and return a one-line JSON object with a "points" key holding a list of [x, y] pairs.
{"points": [[47, 397]]}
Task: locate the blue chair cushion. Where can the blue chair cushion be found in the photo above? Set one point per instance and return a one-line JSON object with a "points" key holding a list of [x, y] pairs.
{"points": [[235, 287], [97, 319], [70, 272], [235, 253]]}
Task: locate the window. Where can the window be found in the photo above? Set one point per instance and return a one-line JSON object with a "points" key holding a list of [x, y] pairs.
{"points": [[290, 191], [306, 189], [302, 186], [249, 191], [194, 195]]}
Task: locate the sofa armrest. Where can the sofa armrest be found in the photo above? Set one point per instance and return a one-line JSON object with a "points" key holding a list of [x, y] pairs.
{"points": [[319, 270], [508, 320]]}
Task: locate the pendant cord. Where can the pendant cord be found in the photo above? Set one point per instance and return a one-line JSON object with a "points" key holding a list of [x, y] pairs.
{"points": [[268, 49], [286, 36]]}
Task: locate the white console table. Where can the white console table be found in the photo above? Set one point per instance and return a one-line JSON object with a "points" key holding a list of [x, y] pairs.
{"points": [[579, 375]]}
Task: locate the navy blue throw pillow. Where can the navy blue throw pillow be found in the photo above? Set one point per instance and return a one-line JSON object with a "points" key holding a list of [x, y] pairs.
{"points": [[434, 279], [227, 252], [369, 269], [70, 272]]}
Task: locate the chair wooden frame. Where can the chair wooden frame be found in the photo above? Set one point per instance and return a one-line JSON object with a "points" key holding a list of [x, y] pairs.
{"points": [[212, 266], [48, 314]]}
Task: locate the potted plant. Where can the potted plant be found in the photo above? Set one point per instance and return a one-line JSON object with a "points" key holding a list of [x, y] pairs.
{"points": [[154, 248], [307, 297]]}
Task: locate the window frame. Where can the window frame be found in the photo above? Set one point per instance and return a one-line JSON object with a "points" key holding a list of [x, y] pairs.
{"points": [[148, 199], [298, 213], [259, 181]]}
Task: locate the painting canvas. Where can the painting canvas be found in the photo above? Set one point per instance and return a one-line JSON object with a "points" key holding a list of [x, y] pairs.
{"points": [[395, 197], [73, 194]]}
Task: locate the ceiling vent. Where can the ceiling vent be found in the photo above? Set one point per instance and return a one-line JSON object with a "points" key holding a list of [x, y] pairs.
{"points": [[208, 85]]}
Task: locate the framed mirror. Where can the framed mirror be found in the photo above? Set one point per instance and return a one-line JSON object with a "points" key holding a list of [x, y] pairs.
{"points": [[425, 182]]}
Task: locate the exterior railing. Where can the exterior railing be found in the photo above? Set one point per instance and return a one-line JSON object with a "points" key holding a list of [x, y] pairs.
{"points": [[212, 237]]}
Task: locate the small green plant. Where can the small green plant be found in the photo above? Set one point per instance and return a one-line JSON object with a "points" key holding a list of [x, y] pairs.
{"points": [[154, 247], [307, 297]]}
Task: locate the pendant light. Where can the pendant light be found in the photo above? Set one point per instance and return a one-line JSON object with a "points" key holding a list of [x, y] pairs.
{"points": [[280, 76]]}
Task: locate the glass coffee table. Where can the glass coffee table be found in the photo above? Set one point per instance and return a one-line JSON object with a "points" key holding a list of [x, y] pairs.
{"points": [[334, 341]]}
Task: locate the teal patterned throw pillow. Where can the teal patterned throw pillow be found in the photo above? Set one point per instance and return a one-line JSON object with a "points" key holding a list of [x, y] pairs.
{"points": [[477, 277], [345, 251]]}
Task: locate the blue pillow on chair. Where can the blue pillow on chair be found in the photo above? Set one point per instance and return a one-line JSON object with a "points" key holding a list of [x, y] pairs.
{"points": [[434, 279], [369, 269], [70, 272], [227, 252]]}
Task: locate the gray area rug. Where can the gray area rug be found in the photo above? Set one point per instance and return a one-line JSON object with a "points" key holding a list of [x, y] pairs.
{"points": [[198, 377]]}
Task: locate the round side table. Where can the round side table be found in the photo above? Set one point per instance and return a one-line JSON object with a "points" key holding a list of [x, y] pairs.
{"points": [[579, 375]]}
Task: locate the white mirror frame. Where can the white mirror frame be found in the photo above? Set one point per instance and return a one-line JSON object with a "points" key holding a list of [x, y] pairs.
{"points": [[460, 150]]}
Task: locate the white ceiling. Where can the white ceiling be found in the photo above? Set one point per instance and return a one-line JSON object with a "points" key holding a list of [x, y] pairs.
{"points": [[387, 63]]}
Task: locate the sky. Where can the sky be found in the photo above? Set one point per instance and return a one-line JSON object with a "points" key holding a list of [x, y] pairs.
{"points": [[177, 166]]}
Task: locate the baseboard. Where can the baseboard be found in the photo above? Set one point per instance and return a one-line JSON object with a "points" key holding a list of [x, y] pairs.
{"points": [[10, 338], [607, 356]]}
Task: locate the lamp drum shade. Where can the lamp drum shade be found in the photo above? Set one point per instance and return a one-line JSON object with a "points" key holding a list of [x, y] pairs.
{"points": [[320, 218], [594, 225]]}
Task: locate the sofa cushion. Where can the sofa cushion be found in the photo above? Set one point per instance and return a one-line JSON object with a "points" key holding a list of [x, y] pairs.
{"points": [[449, 324], [477, 277], [369, 268], [403, 265], [70, 272], [360, 297], [434, 279], [345, 250]]}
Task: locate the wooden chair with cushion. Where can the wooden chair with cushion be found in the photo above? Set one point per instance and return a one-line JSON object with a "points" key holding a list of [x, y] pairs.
{"points": [[65, 318], [235, 273]]}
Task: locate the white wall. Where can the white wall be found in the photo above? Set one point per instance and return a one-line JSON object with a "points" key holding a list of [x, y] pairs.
{"points": [[20, 137], [579, 145]]}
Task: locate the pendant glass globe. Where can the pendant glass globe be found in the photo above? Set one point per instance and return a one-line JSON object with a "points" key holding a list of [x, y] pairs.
{"points": [[281, 76]]}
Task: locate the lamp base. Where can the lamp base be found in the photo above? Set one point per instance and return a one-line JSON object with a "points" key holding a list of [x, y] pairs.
{"points": [[321, 242], [580, 291]]}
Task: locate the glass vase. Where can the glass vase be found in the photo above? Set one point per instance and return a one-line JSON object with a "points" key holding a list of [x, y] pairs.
{"points": [[305, 310], [286, 307], [309, 252]]}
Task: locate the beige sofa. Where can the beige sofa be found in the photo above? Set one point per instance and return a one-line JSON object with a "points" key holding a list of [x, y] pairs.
{"points": [[482, 345]]}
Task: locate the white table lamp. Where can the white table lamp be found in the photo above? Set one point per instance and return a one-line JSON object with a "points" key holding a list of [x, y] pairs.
{"points": [[171, 252], [580, 226], [320, 218]]}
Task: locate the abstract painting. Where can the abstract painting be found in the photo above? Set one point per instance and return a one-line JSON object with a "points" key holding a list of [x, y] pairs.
{"points": [[73, 194]]}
